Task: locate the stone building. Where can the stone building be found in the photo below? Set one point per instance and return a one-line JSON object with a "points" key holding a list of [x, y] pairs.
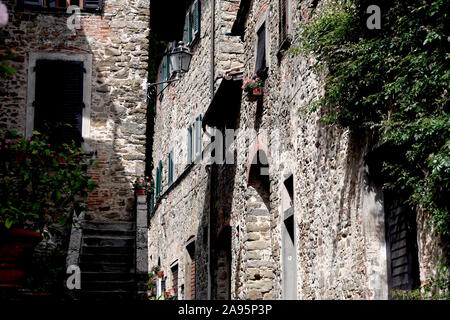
{"points": [[87, 64], [298, 212]]}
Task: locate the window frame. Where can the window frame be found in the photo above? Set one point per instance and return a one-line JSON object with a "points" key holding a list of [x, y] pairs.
{"points": [[87, 88], [189, 145], [263, 21], [198, 137], [170, 168], [43, 5], [192, 18]]}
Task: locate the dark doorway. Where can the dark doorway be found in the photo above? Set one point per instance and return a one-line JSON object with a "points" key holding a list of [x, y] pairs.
{"points": [[401, 239]]}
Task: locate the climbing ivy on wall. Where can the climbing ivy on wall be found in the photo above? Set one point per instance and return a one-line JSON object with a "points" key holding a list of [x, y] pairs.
{"points": [[393, 83]]}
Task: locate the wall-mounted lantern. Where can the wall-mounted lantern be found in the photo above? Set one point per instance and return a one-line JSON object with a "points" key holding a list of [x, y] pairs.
{"points": [[179, 62]]}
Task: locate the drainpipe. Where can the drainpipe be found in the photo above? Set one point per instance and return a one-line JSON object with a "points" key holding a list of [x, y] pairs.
{"points": [[213, 33], [212, 52]]}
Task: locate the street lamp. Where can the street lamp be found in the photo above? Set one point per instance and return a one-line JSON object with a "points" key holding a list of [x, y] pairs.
{"points": [[179, 62]]}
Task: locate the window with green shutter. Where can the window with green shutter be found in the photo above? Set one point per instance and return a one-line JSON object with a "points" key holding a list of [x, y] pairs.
{"points": [[170, 168], [160, 176], [157, 182], [198, 135], [192, 23], [189, 145], [196, 19], [152, 203], [187, 29]]}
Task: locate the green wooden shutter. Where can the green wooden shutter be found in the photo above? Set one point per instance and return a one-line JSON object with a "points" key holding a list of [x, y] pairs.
{"points": [[157, 182], [170, 168], [189, 145], [187, 29], [196, 19], [152, 202], [160, 174], [198, 135]]}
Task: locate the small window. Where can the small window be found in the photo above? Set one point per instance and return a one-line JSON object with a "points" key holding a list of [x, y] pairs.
{"points": [[192, 23], [261, 63], [174, 270], [190, 271], [284, 21], [92, 4], [164, 72], [159, 178], [53, 4], [152, 203], [189, 145], [170, 168], [198, 136]]}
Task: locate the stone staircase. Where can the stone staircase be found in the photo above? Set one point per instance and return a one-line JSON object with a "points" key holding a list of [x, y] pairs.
{"points": [[107, 261]]}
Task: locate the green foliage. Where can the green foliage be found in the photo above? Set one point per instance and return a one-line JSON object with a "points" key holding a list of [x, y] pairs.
{"points": [[47, 271], [152, 281], [394, 84], [41, 185], [436, 288], [5, 68]]}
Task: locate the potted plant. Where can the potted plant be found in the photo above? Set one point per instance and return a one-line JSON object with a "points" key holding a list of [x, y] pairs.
{"points": [[141, 185], [253, 88], [38, 196]]}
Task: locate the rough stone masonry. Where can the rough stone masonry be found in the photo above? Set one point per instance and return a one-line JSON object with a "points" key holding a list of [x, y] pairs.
{"points": [[115, 42], [315, 227]]}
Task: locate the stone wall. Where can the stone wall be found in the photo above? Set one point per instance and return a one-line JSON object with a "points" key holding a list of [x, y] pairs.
{"points": [[339, 227], [117, 41]]}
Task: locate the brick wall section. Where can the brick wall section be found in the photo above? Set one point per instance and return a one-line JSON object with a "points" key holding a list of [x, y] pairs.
{"points": [[118, 43]]}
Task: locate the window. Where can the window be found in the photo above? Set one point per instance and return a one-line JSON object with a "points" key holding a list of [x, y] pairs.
{"points": [[159, 178], [58, 104], [192, 24], [174, 270], [260, 65], [170, 168], [152, 202], [198, 136], [284, 23], [189, 270], [401, 233], [52, 4], [164, 73], [189, 145]]}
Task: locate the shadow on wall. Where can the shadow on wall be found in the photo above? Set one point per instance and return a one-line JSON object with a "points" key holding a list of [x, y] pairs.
{"points": [[117, 101]]}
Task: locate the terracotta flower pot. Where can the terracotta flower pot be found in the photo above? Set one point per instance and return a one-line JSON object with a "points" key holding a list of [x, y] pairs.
{"points": [[257, 92], [254, 95], [141, 192], [16, 249]]}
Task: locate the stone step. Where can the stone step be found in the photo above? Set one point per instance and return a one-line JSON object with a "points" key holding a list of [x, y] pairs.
{"points": [[99, 295], [106, 257], [107, 267], [109, 232], [106, 250], [118, 226], [106, 276], [108, 285], [108, 241]]}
